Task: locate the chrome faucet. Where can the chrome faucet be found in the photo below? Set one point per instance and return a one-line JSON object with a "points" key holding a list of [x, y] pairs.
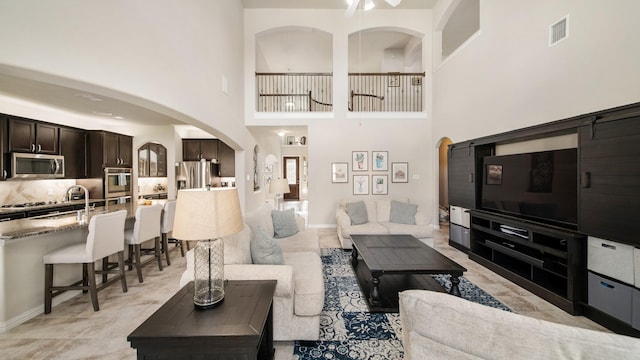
{"points": [[86, 199]]}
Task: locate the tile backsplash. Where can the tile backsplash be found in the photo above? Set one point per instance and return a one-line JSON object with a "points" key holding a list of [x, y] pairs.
{"points": [[147, 186], [21, 191]]}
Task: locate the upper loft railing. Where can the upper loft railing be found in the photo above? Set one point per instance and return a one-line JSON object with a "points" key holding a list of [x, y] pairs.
{"points": [[312, 92], [294, 92]]}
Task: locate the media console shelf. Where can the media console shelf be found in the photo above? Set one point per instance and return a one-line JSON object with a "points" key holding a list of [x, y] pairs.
{"points": [[547, 260]]}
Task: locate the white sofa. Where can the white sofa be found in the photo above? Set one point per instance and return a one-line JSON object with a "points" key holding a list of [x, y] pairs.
{"points": [[378, 212], [440, 326], [299, 295]]}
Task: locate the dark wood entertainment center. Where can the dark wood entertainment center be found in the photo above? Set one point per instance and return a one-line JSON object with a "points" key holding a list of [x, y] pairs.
{"points": [[547, 258]]}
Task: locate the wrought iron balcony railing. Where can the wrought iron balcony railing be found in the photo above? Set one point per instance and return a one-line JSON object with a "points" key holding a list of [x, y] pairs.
{"points": [[312, 92]]}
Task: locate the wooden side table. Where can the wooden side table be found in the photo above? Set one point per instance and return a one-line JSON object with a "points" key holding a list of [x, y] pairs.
{"points": [[241, 327]]}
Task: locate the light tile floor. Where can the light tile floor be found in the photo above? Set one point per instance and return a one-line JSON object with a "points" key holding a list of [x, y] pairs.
{"points": [[74, 331]]}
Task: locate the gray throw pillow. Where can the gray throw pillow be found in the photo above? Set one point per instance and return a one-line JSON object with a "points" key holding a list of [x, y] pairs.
{"points": [[403, 213], [357, 212], [264, 249], [284, 223]]}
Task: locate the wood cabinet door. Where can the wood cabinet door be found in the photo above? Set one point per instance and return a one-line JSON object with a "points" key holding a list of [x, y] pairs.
{"points": [[46, 138], [110, 155], [610, 180], [209, 149], [461, 167], [125, 150], [143, 161], [227, 158], [73, 148], [190, 150], [22, 135], [162, 161]]}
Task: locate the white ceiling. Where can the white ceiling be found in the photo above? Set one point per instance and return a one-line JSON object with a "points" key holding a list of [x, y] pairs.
{"points": [[103, 109]]}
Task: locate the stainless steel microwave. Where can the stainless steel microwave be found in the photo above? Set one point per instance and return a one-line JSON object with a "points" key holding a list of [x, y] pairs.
{"points": [[36, 166]]}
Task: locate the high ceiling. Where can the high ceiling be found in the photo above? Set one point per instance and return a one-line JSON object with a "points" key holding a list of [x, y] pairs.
{"points": [[104, 108]]}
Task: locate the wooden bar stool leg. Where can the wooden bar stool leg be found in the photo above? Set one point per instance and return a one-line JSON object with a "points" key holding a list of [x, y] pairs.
{"points": [[93, 290], [136, 255], [130, 257], [85, 278], [48, 283], [165, 246], [158, 252], [123, 277], [105, 268]]}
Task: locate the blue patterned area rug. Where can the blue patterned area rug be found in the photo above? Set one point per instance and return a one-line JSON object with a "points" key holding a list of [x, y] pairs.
{"points": [[349, 331]]}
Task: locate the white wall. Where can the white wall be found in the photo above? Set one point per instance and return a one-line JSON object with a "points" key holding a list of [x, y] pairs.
{"points": [[170, 58], [333, 136], [508, 77]]}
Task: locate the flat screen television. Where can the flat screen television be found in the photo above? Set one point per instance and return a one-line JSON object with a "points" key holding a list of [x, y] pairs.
{"points": [[541, 186]]}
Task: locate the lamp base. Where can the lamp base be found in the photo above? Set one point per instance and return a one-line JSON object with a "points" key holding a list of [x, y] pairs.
{"points": [[209, 306]]}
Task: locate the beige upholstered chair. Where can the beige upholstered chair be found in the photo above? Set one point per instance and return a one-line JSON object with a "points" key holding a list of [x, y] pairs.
{"points": [[146, 228], [106, 237], [166, 226]]}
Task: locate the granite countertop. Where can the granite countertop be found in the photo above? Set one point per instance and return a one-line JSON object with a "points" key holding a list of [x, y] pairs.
{"points": [[47, 206], [24, 228]]}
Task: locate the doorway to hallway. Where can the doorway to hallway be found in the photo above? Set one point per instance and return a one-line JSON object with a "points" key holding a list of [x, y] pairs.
{"points": [[291, 172]]}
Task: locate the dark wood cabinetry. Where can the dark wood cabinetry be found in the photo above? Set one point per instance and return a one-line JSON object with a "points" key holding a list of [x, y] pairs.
{"points": [[546, 260], [32, 136], [610, 179], [73, 146], [152, 160], [107, 149], [227, 159], [461, 160], [4, 151], [196, 149]]}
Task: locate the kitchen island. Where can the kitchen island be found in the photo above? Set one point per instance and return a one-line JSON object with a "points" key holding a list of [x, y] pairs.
{"points": [[23, 242]]}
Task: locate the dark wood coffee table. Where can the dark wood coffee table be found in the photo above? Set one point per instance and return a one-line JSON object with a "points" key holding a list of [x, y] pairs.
{"points": [[388, 264], [241, 327]]}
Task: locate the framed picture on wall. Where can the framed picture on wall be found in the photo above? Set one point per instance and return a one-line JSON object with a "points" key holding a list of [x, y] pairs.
{"points": [[379, 184], [339, 172], [360, 184], [379, 160], [359, 161], [399, 172]]}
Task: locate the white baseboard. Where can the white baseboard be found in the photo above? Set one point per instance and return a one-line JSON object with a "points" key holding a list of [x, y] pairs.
{"points": [[30, 314]]}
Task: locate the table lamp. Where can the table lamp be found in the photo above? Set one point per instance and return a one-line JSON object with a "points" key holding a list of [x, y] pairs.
{"points": [[207, 215], [278, 186]]}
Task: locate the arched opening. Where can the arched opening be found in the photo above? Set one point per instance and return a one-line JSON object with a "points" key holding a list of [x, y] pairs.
{"points": [[443, 181]]}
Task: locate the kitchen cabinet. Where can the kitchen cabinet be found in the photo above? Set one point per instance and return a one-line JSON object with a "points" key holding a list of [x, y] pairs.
{"points": [[32, 136], [227, 160], [152, 160], [73, 146], [197, 149], [107, 149], [4, 151]]}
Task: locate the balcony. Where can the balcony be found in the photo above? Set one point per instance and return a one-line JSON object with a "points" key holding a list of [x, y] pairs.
{"points": [[313, 92]]}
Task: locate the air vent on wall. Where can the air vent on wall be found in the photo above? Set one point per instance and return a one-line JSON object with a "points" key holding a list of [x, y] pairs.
{"points": [[559, 30]]}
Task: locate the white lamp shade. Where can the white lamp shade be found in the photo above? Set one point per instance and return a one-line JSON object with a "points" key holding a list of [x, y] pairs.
{"points": [[279, 186], [203, 214]]}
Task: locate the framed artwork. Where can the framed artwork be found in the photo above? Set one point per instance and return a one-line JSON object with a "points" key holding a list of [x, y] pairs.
{"points": [[359, 161], [379, 160], [400, 172], [339, 172], [494, 174], [268, 168], [416, 81], [291, 140], [267, 179], [394, 80], [380, 185], [360, 184]]}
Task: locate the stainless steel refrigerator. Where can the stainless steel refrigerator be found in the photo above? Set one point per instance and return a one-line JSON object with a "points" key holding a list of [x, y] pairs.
{"points": [[197, 174]]}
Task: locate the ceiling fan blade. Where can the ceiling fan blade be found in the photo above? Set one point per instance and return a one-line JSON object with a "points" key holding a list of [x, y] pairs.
{"points": [[393, 3], [352, 8]]}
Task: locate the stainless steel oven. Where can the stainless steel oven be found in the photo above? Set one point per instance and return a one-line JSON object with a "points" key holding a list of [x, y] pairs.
{"points": [[118, 200], [117, 182]]}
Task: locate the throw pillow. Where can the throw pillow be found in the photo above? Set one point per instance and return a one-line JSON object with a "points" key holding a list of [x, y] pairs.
{"points": [[284, 223], [264, 249], [357, 212], [403, 213]]}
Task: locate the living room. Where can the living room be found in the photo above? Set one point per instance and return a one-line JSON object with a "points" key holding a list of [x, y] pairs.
{"points": [[507, 77]]}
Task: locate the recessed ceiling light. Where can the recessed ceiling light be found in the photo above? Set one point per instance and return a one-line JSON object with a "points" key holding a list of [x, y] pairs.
{"points": [[100, 113], [118, 117], [281, 133]]}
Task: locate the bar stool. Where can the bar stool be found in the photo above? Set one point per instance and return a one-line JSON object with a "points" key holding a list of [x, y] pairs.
{"points": [[146, 227], [166, 226], [106, 237]]}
